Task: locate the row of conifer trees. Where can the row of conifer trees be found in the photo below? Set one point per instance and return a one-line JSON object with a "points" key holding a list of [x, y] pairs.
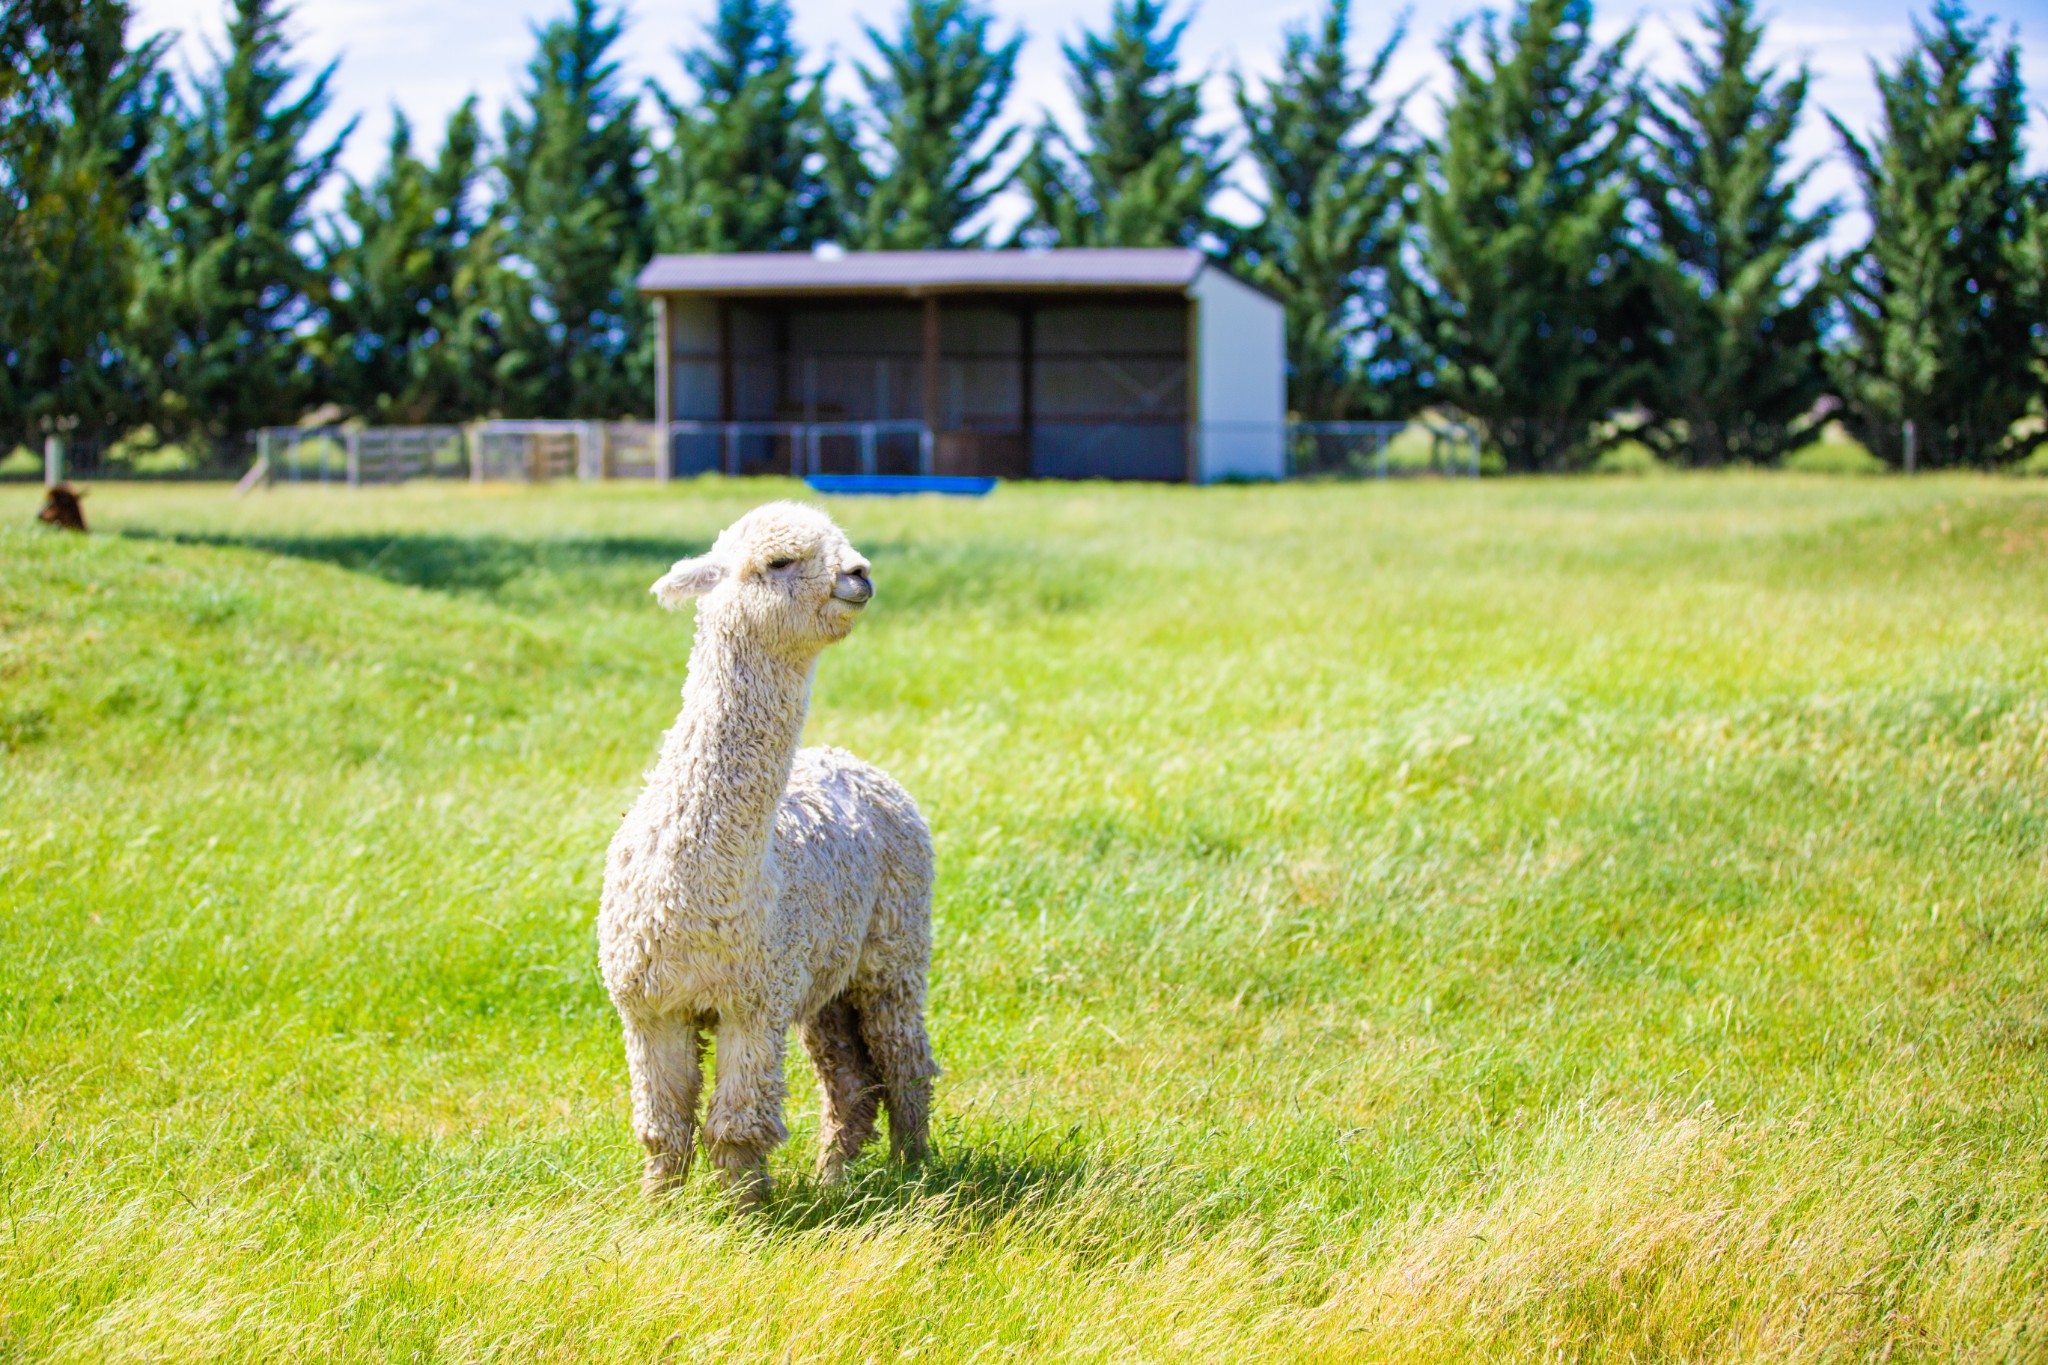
{"points": [[1578, 241]]}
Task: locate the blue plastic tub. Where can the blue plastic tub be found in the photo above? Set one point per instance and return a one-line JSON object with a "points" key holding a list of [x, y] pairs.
{"points": [[892, 485]]}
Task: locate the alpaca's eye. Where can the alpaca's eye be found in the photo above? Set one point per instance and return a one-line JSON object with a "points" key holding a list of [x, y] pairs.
{"points": [[782, 563]]}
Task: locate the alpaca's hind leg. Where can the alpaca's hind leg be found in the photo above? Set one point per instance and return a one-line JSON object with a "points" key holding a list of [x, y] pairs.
{"points": [[745, 1121], [847, 1080], [892, 1024], [666, 1059]]}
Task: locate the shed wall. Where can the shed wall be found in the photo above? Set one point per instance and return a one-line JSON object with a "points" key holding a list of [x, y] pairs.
{"points": [[1241, 388]]}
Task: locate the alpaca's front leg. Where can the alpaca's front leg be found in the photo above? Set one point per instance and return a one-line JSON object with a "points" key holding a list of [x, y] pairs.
{"points": [[666, 1060], [745, 1122]]}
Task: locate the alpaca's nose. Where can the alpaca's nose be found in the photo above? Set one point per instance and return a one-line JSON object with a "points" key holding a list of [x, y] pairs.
{"points": [[853, 587]]}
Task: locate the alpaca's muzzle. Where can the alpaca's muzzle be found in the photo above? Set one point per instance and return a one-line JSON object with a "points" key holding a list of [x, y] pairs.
{"points": [[853, 587]]}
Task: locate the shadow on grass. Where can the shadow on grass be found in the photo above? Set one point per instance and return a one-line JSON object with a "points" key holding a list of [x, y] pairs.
{"points": [[965, 1186], [913, 577], [459, 563]]}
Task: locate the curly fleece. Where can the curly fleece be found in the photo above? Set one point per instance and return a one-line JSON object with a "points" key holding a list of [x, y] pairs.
{"points": [[756, 885]]}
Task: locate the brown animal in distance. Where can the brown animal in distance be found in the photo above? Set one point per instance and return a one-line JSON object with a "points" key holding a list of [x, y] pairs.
{"points": [[63, 507]]}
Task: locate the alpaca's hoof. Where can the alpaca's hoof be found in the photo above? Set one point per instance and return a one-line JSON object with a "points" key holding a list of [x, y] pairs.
{"points": [[749, 1186], [663, 1176], [831, 1167]]}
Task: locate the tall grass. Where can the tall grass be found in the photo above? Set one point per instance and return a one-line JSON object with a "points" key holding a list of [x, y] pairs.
{"points": [[1420, 922]]}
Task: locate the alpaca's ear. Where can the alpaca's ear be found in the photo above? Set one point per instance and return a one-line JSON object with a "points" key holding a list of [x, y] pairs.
{"points": [[689, 578]]}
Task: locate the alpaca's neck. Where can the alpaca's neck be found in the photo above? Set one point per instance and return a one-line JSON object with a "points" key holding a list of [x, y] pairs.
{"points": [[726, 763]]}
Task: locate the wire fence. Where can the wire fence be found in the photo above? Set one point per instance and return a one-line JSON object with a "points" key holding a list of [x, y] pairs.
{"points": [[1382, 450], [543, 451], [362, 455], [800, 448], [99, 455]]}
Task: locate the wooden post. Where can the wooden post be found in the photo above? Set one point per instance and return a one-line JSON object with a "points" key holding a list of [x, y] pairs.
{"points": [[473, 442], [53, 459], [1027, 412], [726, 411], [664, 398], [1912, 455], [355, 458], [931, 364]]}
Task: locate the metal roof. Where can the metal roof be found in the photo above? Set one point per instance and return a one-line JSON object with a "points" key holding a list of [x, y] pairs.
{"points": [[921, 271]]}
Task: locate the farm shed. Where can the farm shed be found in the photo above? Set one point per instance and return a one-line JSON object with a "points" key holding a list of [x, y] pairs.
{"points": [[1070, 363]]}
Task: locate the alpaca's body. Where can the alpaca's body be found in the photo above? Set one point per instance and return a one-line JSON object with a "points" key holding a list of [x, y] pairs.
{"points": [[831, 911], [755, 887]]}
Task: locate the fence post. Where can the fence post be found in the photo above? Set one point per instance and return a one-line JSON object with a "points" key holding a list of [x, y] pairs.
{"points": [[867, 448], [355, 466], [473, 446], [1912, 435], [664, 377], [925, 443], [53, 459]]}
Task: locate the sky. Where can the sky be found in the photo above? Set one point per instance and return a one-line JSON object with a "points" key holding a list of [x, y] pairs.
{"points": [[427, 55]]}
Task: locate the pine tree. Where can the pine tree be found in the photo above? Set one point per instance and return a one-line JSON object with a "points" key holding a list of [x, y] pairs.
{"points": [[1332, 224], [2033, 256], [1745, 363], [225, 291], [573, 227], [404, 283], [918, 163], [1142, 173], [737, 174], [78, 117], [1531, 301], [1940, 310]]}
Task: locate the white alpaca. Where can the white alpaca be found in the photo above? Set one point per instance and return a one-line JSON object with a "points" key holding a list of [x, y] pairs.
{"points": [[756, 885]]}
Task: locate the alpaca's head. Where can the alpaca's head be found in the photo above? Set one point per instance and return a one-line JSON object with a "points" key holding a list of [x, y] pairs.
{"points": [[783, 576], [63, 508]]}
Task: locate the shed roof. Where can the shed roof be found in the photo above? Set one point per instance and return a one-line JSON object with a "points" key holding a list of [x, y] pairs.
{"points": [[1172, 268]]}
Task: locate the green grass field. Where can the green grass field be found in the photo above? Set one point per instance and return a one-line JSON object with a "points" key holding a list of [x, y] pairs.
{"points": [[1579, 920]]}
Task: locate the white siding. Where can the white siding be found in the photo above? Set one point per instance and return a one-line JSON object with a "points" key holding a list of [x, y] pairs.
{"points": [[1241, 384]]}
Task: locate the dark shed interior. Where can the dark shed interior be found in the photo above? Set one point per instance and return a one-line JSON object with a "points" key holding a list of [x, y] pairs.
{"points": [[1021, 387]]}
